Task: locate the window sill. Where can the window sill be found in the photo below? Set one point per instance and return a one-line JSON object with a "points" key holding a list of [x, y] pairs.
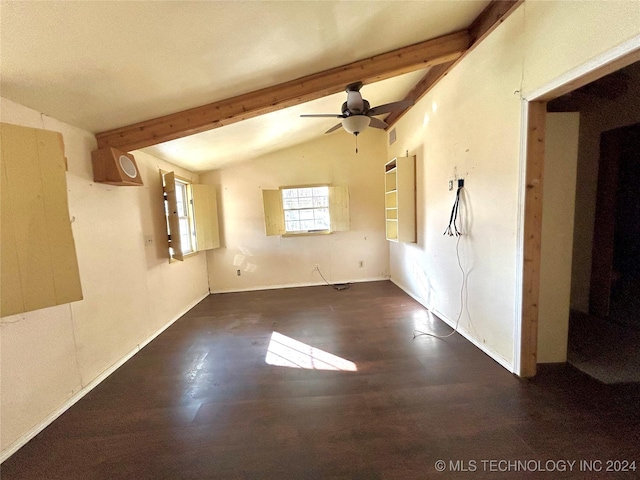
{"points": [[306, 234], [186, 255]]}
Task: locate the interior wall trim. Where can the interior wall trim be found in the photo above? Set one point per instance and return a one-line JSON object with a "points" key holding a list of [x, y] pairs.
{"points": [[616, 58], [296, 285], [36, 429], [518, 296]]}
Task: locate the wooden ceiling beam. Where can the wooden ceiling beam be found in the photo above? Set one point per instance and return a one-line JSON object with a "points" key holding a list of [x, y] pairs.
{"points": [[493, 15], [432, 77], [207, 117]]}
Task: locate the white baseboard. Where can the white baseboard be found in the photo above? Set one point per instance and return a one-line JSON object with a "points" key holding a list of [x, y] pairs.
{"points": [[23, 439], [257, 288], [491, 353]]}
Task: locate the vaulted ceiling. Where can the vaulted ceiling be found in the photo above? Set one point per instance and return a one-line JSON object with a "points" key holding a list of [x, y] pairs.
{"points": [[202, 84]]}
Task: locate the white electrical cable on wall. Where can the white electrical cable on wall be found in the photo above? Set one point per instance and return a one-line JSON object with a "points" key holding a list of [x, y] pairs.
{"points": [[453, 230]]}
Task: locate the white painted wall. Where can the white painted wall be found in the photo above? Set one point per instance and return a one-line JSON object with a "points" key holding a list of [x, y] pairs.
{"points": [[275, 261], [561, 35], [51, 357], [474, 130], [131, 292]]}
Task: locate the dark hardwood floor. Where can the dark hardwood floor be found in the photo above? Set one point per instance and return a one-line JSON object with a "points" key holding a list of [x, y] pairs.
{"points": [[201, 402], [604, 349]]}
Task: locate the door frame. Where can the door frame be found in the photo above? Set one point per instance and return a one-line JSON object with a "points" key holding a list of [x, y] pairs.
{"points": [[531, 179]]}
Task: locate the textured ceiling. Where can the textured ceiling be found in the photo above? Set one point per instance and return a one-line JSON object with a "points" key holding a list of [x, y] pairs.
{"points": [[100, 65]]}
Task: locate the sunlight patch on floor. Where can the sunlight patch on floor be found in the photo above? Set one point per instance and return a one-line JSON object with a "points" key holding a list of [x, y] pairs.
{"points": [[284, 351]]}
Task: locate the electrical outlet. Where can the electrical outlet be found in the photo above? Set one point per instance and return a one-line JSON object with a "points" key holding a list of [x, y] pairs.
{"points": [[148, 240], [361, 264], [317, 265], [450, 185], [238, 272]]}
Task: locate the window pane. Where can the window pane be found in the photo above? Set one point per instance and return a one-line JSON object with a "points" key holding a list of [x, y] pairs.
{"points": [[184, 234], [291, 215], [322, 224], [290, 203], [181, 199], [181, 212], [320, 202], [306, 225], [305, 202], [306, 214], [292, 226], [290, 193], [306, 209], [184, 243], [322, 214]]}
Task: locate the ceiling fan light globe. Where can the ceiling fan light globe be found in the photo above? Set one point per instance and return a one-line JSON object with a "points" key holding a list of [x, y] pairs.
{"points": [[355, 123]]}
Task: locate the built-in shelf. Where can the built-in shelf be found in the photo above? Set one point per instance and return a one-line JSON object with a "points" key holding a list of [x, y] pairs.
{"points": [[400, 199]]}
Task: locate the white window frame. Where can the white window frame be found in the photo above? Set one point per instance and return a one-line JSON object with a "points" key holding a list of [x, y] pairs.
{"points": [[292, 206], [274, 215], [186, 216], [198, 202]]}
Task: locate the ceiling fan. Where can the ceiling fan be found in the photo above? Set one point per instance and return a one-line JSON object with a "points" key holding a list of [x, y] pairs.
{"points": [[356, 113]]}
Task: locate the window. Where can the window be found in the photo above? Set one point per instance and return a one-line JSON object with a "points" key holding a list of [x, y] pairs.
{"points": [[185, 216], [192, 216], [313, 209], [306, 209], [179, 211]]}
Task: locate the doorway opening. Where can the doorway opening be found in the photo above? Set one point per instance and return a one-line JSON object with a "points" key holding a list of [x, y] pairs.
{"points": [[604, 319], [532, 175], [616, 251]]}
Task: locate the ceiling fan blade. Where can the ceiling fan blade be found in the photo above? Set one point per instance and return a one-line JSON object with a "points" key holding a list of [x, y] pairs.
{"points": [[377, 123], [390, 107], [330, 115], [355, 104], [334, 128]]}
